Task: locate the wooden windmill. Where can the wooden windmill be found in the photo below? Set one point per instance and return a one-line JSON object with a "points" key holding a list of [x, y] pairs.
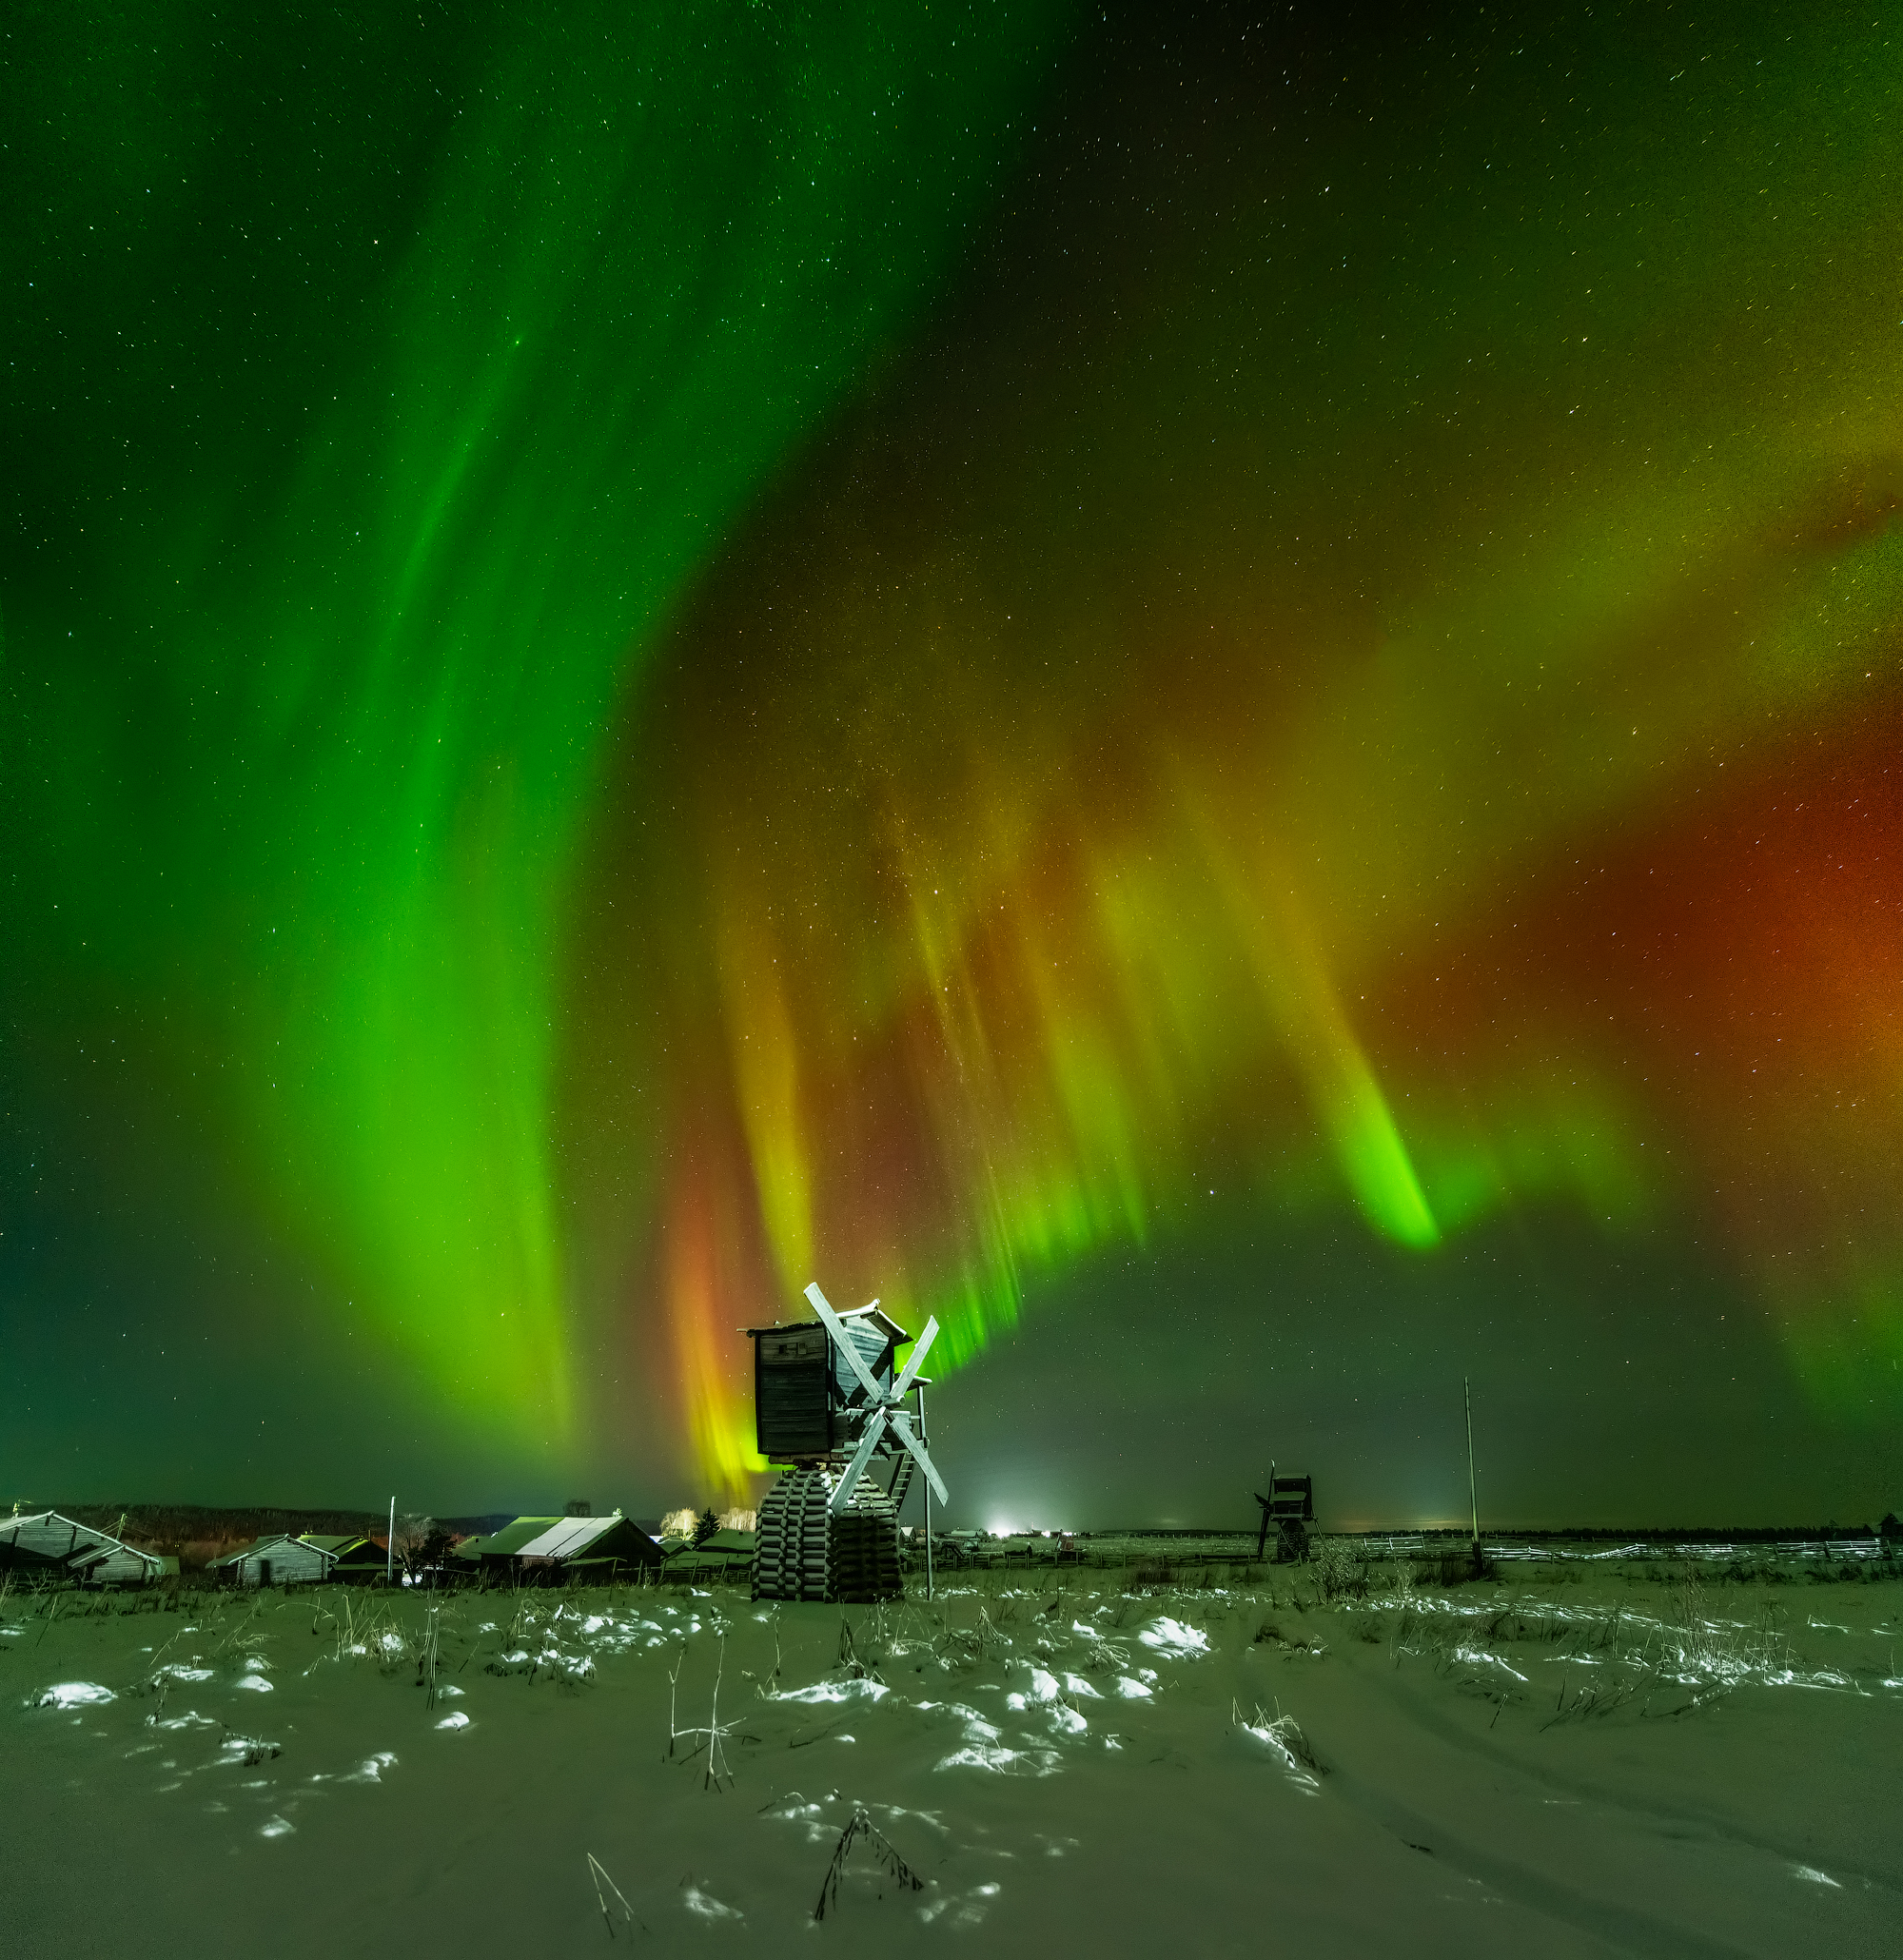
{"points": [[828, 1402], [1288, 1511]]}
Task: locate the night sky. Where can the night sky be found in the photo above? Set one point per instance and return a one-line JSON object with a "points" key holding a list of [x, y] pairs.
{"points": [[1217, 693]]}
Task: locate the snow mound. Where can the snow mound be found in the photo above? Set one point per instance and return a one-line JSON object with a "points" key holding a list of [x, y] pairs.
{"points": [[977, 1728], [73, 1695], [864, 1689], [966, 1910], [1042, 1691], [1002, 1762], [705, 1906], [1286, 1742], [1173, 1640], [980, 1755]]}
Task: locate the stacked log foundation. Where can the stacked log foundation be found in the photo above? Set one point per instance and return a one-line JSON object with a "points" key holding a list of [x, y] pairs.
{"points": [[804, 1550]]}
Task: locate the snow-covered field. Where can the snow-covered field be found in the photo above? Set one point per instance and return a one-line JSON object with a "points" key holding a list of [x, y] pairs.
{"points": [[1550, 1765]]}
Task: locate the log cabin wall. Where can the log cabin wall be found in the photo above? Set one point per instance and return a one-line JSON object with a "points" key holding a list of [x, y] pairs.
{"points": [[791, 1399]]}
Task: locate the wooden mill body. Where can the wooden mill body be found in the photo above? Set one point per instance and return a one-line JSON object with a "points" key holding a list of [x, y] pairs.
{"points": [[808, 1405]]}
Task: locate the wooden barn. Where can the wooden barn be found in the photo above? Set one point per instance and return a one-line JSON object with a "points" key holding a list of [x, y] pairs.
{"points": [[589, 1550], [584, 1551], [496, 1553], [47, 1545], [119, 1564], [276, 1561]]}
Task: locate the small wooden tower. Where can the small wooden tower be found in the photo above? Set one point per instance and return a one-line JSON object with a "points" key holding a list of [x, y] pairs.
{"points": [[826, 1399]]}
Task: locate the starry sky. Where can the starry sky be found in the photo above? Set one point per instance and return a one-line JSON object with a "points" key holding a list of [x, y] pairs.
{"points": [[1215, 692]]}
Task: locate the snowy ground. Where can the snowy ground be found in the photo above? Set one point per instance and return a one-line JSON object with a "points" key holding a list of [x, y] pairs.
{"points": [[1556, 1764]]}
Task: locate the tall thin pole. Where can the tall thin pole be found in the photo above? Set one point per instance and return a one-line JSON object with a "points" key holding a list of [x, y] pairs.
{"points": [[390, 1548], [1473, 1487], [928, 1495]]}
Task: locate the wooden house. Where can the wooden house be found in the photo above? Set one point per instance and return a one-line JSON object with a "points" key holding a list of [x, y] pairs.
{"points": [[118, 1564], [587, 1550], [807, 1399], [496, 1555], [45, 1543], [49, 1545], [275, 1562], [352, 1559]]}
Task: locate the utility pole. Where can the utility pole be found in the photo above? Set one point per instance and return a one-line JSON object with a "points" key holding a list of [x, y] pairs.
{"points": [[1473, 1486], [390, 1548], [928, 1495]]}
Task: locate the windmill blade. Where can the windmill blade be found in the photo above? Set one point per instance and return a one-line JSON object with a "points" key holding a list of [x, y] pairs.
{"points": [[901, 1424], [921, 1348], [875, 1427], [843, 1342]]}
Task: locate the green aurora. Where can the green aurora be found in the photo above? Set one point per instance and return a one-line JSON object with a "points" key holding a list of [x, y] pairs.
{"points": [[1118, 666], [641, 255]]}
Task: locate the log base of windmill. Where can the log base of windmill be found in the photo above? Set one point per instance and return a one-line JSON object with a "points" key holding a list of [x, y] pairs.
{"points": [[805, 1550]]}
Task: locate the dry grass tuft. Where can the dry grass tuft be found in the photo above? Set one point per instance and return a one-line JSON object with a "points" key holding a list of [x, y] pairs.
{"points": [[598, 1873], [1341, 1567], [859, 1825]]}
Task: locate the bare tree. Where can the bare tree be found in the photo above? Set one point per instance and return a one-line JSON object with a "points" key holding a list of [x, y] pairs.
{"points": [[420, 1542]]}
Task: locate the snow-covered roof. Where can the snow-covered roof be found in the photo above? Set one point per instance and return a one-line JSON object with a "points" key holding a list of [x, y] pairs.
{"points": [[259, 1547], [63, 1541], [46, 1535], [855, 1317], [116, 1548], [568, 1539], [513, 1538]]}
